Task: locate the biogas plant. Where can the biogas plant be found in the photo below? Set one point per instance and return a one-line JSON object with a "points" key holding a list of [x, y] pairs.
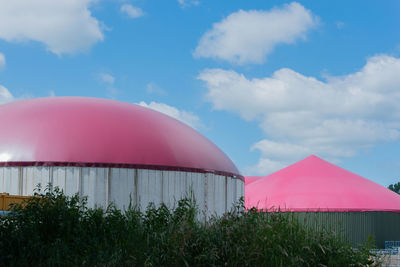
{"points": [[112, 152], [122, 153]]}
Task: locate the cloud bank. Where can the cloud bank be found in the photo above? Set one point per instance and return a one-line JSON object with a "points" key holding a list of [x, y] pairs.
{"points": [[63, 26], [302, 115], [187, 3], [2, 61], [131, 11], [153, 88], [249, 36], [5, 95], [107, 78], [181, 115]]}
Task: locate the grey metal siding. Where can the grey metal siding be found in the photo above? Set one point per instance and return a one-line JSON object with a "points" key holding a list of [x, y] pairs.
{"points": [[214, 194], [356, 227]]}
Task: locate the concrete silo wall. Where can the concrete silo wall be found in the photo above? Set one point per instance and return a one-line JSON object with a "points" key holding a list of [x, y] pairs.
{"points": [[214, 194], [355, 227]]}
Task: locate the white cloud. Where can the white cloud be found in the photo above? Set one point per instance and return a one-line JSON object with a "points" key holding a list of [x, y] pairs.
{"points": [[249, 36], [112, 92], [64, 26], [107, 78], [5, 95], [181, 115], [187, 3], [340, 25], [131, 11], [2, 61], [153, 88], [109, 81], [265, 166], [302, 115]]}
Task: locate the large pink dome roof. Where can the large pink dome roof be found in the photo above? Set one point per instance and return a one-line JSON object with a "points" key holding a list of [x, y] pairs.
{"points": [[313, 184], [97, 132]]}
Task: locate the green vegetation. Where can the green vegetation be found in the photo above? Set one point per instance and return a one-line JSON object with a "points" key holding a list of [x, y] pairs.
{"points": [[55, 230], [395, 187]]}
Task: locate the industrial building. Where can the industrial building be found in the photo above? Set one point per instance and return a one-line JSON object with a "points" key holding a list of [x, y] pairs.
{"points": [[122, 153], [112, 152], [323, 195]]}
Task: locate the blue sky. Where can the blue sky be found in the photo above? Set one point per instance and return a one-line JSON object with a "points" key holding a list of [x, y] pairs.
{"points": [[270, 82]]}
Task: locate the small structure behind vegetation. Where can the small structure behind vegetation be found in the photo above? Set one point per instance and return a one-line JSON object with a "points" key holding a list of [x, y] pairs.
{"points": [[6, 200]]}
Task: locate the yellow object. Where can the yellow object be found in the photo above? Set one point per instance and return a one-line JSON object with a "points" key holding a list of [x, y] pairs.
{"points": [[7, 199]]}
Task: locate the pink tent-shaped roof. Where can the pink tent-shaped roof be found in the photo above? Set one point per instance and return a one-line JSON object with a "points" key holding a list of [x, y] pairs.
{"points": [[313, 184], [81, 131], [251, 179]]}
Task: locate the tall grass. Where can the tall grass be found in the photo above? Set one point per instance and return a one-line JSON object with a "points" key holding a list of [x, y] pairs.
{"points": [[56, 230]]}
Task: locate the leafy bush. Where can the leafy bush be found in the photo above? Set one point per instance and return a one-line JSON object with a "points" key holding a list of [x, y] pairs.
{"points": [[52, 229]]}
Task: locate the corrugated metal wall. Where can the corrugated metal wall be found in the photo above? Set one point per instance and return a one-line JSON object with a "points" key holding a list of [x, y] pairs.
{"points": [[215, 194], [356, 226]]}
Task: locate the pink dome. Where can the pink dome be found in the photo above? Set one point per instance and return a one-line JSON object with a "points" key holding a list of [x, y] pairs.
{"points": [[313, 184], [80, 131]]}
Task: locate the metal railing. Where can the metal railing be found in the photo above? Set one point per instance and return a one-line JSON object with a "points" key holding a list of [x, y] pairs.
{"points": [[392, 244], [390, 256]]}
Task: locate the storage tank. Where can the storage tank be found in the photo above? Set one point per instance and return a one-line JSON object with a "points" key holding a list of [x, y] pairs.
{"points": [[112, 151], [324, 195]]}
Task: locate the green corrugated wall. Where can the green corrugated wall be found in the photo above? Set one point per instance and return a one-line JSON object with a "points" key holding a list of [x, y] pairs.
{"points": [[355, 227]]}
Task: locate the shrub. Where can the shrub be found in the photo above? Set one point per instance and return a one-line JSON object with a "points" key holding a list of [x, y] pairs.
{"points": [[52, 229]]}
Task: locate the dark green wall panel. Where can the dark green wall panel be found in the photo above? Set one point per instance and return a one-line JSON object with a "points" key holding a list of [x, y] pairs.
{"points": [[355, 227]]}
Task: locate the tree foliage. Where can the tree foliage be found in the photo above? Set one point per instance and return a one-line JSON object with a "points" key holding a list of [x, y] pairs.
{"points": [[395, 187]]}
